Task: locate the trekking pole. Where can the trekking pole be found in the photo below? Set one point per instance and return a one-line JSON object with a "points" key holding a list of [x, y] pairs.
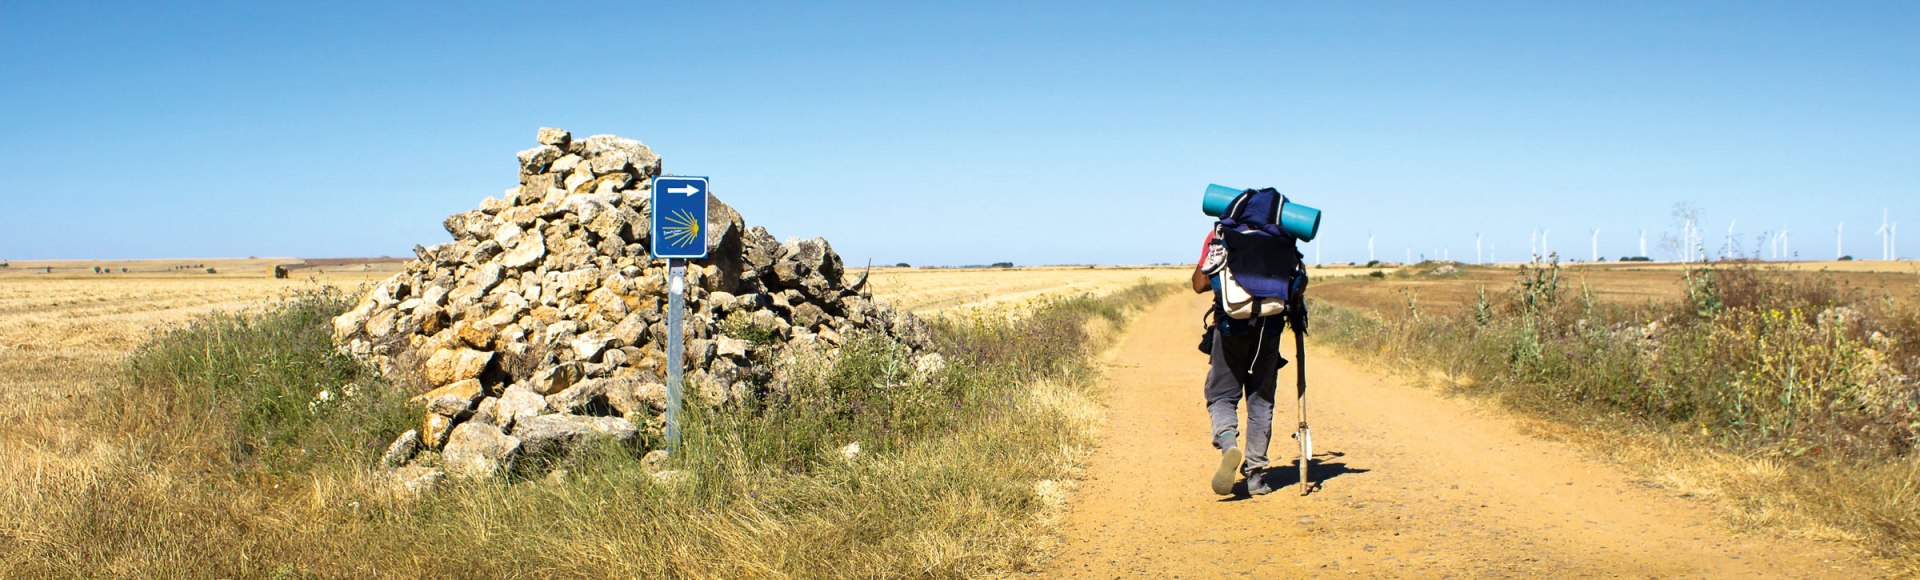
{"points": [[1300, 391]]}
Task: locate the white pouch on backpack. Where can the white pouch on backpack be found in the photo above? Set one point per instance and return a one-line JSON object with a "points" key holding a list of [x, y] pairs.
{"points": [[1240, 305]]}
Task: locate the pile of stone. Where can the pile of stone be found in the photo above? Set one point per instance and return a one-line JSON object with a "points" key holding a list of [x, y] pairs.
{"points": [[542, 324]]}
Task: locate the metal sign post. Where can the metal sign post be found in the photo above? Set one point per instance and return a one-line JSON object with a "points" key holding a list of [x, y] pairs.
{"points": [[679, 234], [676, 345]]}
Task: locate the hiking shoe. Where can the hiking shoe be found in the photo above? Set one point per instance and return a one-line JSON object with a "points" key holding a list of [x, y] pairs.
{"points": [[1258, 484], [1229, 468]]}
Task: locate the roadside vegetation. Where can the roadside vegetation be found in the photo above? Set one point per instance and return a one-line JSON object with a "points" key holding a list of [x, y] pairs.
{"points": [[1792, 396], [244, 445]]}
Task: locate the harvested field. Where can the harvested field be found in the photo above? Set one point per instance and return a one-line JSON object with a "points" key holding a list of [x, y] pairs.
{"points": [[1615, 283], [62, 336], [934, 290]]}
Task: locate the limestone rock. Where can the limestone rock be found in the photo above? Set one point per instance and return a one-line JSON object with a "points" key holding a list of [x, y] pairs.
{"points": [[433, 429], [527, 250], [411, 480], [518, 403], [558, 138], [402, 449], [588, 393], [450, 365], [731, 347], [453, 399], [550, 434], [555, 378], [537, 159], [477, 450]]}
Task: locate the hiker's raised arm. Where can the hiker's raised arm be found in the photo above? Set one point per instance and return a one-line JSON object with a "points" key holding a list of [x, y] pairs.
{"points": [[1200, 281]]}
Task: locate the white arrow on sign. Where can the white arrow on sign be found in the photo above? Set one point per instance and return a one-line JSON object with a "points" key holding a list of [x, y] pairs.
{"points": [[686, 189]]}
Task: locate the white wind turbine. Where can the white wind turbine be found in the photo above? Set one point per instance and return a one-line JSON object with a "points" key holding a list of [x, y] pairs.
{"points": [[1786, 249], [1544, 248], [1596, 245], [1691, 249], [1370, 257], [1885, 243], [1728, 252], [1476, 249], [1643, 243]]}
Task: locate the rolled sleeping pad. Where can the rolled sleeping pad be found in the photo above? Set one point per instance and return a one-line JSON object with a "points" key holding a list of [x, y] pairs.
{"points": [[1217, 199], [1301, 221]]}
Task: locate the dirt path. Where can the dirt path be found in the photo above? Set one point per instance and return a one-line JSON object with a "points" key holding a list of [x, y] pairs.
{"points": [[1414, 485]]}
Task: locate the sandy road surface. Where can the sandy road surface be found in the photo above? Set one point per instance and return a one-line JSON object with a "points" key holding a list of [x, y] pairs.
{"points": [[1414, 485]]}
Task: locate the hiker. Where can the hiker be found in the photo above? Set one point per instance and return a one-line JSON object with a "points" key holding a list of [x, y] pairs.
{"points": [[1251, 260], [1244, 362]]}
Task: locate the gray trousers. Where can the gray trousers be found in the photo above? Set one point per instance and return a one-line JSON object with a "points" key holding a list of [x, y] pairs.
{"points": [[1235, 373]]}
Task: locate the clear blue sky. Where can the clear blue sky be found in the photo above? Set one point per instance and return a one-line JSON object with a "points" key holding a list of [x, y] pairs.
{"points": [[965, 133]]}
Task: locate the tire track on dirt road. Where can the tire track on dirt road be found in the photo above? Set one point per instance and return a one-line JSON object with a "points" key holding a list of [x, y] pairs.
{"points": [[1414, 485]]}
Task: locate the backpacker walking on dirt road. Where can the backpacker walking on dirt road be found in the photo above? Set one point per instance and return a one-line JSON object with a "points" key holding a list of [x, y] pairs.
{"points": [[1255, 272]]}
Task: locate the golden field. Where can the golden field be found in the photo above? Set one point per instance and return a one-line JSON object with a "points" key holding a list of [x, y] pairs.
{"points": [[65, 337]]}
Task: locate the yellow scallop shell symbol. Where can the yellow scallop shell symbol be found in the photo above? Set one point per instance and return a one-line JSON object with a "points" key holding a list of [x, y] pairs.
{"points": [[683, 228]]}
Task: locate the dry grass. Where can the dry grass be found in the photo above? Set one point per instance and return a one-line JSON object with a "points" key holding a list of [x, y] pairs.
{"points": [[75, 501], [63, 340], [1744, 393]]}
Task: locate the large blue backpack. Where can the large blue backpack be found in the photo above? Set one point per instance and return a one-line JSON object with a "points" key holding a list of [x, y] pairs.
{"points": [[1264, 274]]}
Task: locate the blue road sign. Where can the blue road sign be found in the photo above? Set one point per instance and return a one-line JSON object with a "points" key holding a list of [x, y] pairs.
{"points": [[680, 217]]}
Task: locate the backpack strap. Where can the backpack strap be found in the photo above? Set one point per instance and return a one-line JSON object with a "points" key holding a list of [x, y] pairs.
{"points": [[1233, 209]]}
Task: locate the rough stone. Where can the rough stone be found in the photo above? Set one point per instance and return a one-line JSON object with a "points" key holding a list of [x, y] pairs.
{"points": [[731, 347], [518, 403], [411, 480], [589, 347], [453, 399], [447, 366], [433, 429], [475, 334], [555, 378], [402, 449], [478, 450], [558, 138], [537, 159], [549, 434], [587, 393], [527, 250]]}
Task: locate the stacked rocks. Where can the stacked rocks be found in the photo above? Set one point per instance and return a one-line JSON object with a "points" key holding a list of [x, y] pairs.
{"points": [[542, 324]]}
